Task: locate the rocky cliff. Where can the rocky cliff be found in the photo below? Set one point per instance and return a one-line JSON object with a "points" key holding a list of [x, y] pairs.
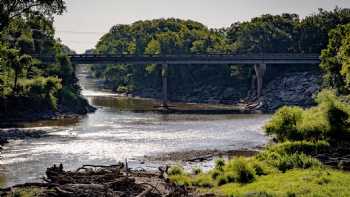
{"points": [[293, 88]]}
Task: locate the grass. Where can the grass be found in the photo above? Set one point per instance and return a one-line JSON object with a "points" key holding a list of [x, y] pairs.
{"points": [[26, 192], [286, 169], [297, 182], [269, 174]]}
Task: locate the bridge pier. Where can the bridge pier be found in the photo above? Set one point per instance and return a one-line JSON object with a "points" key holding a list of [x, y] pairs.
{"points": [[165, 85], [260, 70]]}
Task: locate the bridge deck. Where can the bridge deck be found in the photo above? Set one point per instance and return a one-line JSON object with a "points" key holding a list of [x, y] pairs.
{"points": [[192, 59]]}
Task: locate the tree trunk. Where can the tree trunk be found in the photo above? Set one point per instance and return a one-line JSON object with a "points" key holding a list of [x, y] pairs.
{"points": [[15, 82]]}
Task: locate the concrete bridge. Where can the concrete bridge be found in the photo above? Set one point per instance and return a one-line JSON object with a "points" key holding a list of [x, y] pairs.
{"points": [[259, 61]]}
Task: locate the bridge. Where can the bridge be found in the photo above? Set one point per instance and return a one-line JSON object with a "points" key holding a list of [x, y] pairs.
{"points": [[258, 60]]}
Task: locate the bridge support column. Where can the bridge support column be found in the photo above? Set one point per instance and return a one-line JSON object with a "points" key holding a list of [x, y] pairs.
{"points": [[260, 70], [165, 85]]}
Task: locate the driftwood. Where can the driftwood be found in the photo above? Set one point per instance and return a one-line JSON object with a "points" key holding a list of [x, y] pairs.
{"points": [[103, 181]]}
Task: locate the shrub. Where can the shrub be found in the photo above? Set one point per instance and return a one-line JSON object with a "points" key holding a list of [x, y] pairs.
{"points": [[330, 121], [202, 180], [284, 162], [221, 180], [42, 88], [230, 177], [261, 168], [284, 123], [314, 124], [196, 171], [175, 170], [219, 164], [72, 100], [243, 172], [215, 173], [181, 180], [305, 147]]}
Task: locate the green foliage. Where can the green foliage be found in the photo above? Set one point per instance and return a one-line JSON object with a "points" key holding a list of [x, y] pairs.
{"points": [[285, 33], [284, 162], [336, 59], [42, 88], [27, 84], [297, 182], [306, 147], [241, 170], [10, 9], [196, 171], [165, 36], [176, 170], [181, 180], [327, 121], [202, 180], [219, 164], [283, 123]]}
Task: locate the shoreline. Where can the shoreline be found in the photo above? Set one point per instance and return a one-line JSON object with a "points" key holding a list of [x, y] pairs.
{"points": [[197, 156], [19, 134]]}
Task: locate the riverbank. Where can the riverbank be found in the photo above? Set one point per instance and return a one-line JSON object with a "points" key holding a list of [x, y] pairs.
{"points": [[119, 179], [19, 134], [17, 119], [108, 181]]}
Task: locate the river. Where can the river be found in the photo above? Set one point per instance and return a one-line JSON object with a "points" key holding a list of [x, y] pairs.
{"points": [[114, 132]]}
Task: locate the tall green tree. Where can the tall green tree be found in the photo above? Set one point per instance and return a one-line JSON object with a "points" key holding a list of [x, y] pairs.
{"points": [[10, 9], [336, 59]]}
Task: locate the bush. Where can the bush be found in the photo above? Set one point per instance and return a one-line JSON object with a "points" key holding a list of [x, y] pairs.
{"points": [[42, 88], [261, 168], [72, 101], [196, 171], [284, 123], [219, 164], [215, 173], [202, 180], [306, 147], [330, 121], [181, 180], [175, 170], [243, 172], [221, 180], [284, 162]]}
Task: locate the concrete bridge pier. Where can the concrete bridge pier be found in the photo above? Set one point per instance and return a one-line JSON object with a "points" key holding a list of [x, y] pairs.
{"points": [[260, 70], [165, 73]]}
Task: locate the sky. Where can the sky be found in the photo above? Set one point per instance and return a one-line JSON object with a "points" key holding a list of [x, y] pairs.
{"points": [[87, 20]]}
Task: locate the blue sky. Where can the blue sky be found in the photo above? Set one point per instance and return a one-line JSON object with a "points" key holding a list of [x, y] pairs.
{"points": [[87, 20]]}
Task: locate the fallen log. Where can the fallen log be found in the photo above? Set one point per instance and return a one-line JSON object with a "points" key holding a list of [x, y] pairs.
{"points": [[99, 180]]}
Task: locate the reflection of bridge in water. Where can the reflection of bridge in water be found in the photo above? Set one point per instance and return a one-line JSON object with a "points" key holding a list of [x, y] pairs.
{"points": [[258, 60]]}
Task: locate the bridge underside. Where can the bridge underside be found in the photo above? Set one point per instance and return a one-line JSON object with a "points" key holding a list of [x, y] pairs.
{"points": [[258, 60]]}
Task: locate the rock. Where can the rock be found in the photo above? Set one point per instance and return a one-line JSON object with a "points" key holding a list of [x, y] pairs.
{"points": [[16, 134], [290, 89]]}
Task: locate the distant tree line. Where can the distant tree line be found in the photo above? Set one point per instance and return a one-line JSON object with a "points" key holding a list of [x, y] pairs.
{"points": [[285, 33]]}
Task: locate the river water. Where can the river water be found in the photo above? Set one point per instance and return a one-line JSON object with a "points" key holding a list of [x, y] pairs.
{"points": [[114, 132]]}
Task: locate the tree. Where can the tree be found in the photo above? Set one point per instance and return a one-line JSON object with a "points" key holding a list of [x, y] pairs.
{"points": [[10, 9], [336, 59], [19, 63]]}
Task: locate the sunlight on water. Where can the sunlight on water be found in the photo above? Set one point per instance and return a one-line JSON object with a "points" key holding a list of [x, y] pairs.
{"points": [[110, 135]]}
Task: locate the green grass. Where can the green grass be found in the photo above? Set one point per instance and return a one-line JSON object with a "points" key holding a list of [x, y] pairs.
{"points": [[312, 182], [269, 174], [297, 182]]}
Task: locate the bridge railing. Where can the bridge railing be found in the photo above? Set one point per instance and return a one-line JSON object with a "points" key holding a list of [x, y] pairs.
{"points": [[212, 58]]}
